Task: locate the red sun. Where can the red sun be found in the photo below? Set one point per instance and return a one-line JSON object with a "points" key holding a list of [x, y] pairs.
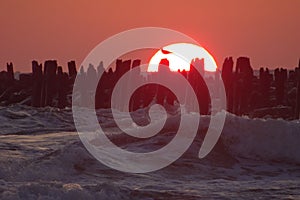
{"points": [[178, 63]]}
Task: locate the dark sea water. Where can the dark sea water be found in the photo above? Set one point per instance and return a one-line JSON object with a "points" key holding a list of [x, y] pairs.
{"points": [[42, 157]]}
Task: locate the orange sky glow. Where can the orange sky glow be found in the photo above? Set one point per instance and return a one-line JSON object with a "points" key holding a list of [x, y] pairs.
{"points": [[266, 31]]}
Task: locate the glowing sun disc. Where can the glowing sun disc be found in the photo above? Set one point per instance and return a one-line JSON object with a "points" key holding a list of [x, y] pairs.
{"points": [[176, 62]]}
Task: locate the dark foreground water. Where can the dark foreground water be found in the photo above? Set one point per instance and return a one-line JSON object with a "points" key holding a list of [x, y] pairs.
{"points": [[42, 157]]}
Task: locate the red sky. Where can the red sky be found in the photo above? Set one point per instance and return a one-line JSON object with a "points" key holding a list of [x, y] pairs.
{"points": [[266, 31]]}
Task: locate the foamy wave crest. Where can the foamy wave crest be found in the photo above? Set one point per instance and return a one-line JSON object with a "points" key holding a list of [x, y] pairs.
{"points": [[267, 139], [21, 119], [242, 137]]}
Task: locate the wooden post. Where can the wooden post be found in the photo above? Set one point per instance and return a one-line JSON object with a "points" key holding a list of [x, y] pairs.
{"points": [[244, 82], [62, 79], [37, 81], [10, 72], [227, 77], [297, 110], [49, 82], [136, 63], [72, 69]]}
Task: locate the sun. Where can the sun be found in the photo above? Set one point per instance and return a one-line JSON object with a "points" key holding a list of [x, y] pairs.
{"points": [[175, 62], [178, 62]]}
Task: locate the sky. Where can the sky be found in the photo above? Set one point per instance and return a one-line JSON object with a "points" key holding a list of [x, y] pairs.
{"points": [[266, 31]]}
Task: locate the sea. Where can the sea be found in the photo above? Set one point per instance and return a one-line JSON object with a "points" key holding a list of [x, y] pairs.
{"points": [[42, 157]]}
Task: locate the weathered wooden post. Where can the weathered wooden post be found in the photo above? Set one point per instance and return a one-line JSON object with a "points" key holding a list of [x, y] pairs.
{"points": [[49, 83], [37, 81], [136, 98], [280, 81], [10, 73], [100, 69], [136, 63], [245, 88], [297, 110], [62, 79], [72, 69], [227, 77]]}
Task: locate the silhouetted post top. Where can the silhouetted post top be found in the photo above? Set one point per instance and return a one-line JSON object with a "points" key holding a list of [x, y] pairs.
{"points": [[243, 66], [136, 63], [198, 64], [122, 67], [81, 71], [164, 65], [59, 70], [10, 71], [100, 68], [118, 64], [72, 68], [227, 67], [37, 69], [261, 70], [50, 67], [184, 73], [91, 69], [91, 74], [100, 64], [126, 65]]}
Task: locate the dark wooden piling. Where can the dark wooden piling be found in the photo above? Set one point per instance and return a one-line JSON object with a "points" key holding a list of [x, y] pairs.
{"points": [[246, 93], [227, 77], [297, 109], [7, 82], [126, 65], [280, 82], [10, 72], [100, 70], [49, 82], [264, 87], [136, 63], [62, 81], [72, 69], [195, 77], [199, 65], [243, 82], [135, 100], [37, 81]]}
